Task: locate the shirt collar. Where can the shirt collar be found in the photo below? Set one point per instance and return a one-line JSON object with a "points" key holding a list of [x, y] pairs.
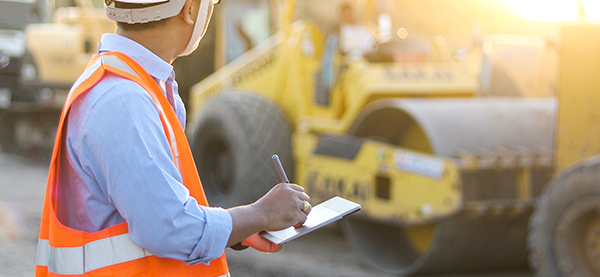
{"points": [[153, 64]]}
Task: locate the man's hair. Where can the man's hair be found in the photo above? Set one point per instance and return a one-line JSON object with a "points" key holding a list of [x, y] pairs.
{"points": [[138, 26], [346, 6]]}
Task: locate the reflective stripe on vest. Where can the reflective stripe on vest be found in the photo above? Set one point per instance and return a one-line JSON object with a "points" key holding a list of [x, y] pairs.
{"points": [[90, 256], [111, 252]]}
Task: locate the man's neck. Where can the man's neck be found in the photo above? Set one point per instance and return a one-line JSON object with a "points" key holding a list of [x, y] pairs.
{"points": [[163, 44]]}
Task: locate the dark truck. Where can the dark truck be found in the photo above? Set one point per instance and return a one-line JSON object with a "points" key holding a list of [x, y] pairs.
{"points": [[24, 109]]}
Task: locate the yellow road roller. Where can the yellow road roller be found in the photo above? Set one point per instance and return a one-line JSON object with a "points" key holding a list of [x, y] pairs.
{"points": [[453, 173]]}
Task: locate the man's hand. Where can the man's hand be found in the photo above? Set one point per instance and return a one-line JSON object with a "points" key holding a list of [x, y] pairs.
{"points": [[259, 243], [283, 206], [280, 208]]}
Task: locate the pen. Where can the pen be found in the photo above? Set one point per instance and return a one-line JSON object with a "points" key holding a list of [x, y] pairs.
{"points": [[280, 170]]}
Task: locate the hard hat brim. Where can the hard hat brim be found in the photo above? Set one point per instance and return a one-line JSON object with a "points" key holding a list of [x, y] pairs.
{"points": [[142, 2], [147, 14]]}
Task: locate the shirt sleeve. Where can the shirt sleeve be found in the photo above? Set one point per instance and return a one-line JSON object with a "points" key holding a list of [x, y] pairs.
{"points": [[124, 135]]}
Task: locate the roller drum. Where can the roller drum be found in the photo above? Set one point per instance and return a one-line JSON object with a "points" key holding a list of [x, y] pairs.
{"points": [[486, 234]]}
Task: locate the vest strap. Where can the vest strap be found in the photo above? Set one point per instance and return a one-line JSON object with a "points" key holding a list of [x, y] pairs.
{"points": [[91, 256], [111, 63]]}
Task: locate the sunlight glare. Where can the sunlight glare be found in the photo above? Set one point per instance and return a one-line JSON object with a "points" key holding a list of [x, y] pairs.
{"points": [[547, 10], [592, 8]]}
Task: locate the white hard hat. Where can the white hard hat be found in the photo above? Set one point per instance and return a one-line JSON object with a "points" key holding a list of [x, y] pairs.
{"points": [[163, 9]]}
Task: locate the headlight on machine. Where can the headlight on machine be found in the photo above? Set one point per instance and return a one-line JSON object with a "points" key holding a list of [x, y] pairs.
{"points": [[4, 59], [28, 72], [45, 96]]}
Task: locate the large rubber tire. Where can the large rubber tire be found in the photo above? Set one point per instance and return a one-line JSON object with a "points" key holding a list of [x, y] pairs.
{"points": [[7, 130], [235, 136], [36, 140], [564, 236]]}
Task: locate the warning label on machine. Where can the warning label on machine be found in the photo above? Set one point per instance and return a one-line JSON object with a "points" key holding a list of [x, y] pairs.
{"points": [[419, 164]]}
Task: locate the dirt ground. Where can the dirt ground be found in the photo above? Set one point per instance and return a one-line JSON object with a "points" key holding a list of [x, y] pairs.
{"points": [[22, 185]]}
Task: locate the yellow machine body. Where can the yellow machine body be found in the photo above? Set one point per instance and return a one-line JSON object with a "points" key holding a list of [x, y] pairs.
{"points": [[443, 155], [370, 175], [578, 128], [62, 48], [282, 69]]}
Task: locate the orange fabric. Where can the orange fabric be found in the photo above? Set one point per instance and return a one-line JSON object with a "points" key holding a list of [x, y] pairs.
{"points": [[60, 235]]}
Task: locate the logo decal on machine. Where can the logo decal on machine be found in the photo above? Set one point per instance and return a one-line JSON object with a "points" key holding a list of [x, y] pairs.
{"points": [[324, 185]]}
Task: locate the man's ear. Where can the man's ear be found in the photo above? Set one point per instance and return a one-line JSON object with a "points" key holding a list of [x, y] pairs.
{"points": [[186, 12]]}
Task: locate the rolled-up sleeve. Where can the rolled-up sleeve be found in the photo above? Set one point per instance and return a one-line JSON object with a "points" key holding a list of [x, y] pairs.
{"points": [[129, 155], [212, 242]]}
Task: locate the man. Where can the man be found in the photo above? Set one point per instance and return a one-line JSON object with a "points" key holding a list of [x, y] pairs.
{"points": [[355, 39], [123, 195]]}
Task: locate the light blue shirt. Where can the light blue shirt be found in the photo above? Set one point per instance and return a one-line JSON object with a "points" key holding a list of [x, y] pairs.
{"points": [[118, 167]]}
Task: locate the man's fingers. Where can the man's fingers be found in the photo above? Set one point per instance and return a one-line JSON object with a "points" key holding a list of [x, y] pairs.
{"points": [[302, 220], [261, 244], [304, 197], [288, 204], [296, 187]]}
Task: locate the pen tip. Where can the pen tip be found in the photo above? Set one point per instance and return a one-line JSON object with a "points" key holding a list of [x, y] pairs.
{"points": [[275, 157]]}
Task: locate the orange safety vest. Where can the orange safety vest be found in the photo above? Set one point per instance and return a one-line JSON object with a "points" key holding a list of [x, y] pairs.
{"points": [[111, 252]]}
